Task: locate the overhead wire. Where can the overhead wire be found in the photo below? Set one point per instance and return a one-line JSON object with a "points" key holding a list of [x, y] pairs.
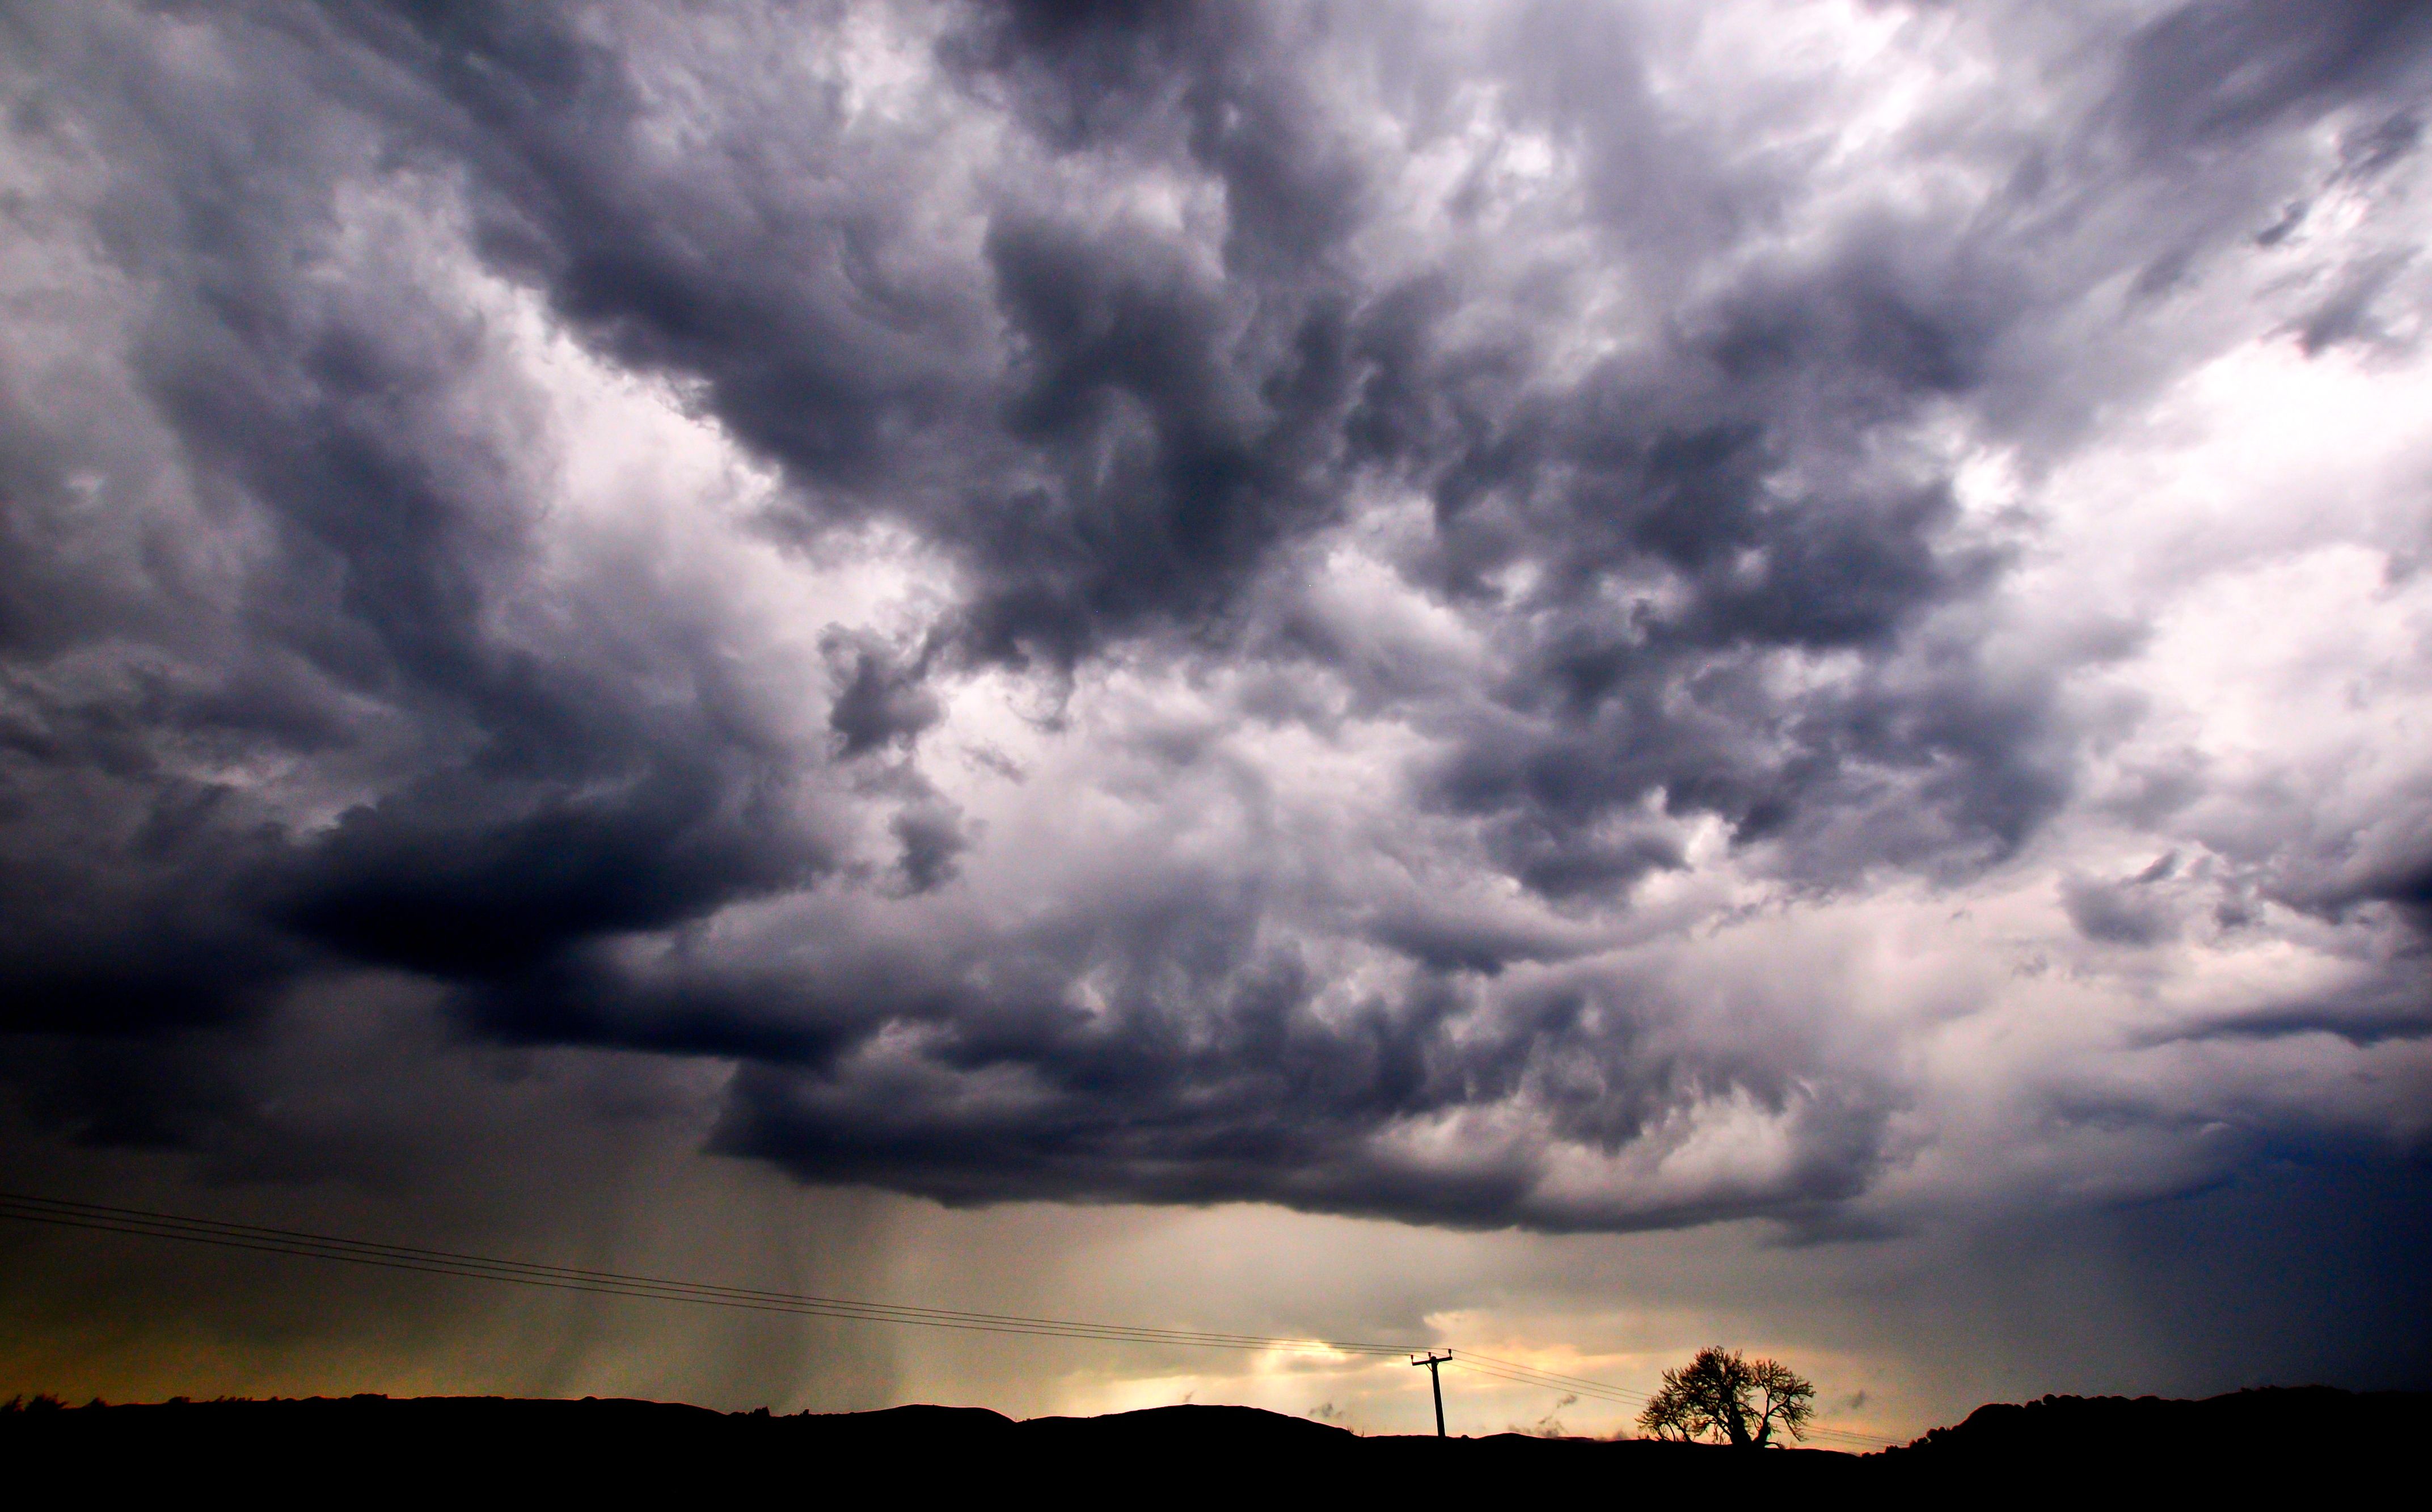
{"points": [[1580, 1393], [1550, 1377], [304, 1244]]}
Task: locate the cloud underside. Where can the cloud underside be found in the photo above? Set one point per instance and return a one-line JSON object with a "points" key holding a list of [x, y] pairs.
{"points": [[1573, 615]]}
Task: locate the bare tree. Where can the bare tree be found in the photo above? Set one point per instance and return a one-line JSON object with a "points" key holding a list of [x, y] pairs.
{"points": [[1721, 1395]]}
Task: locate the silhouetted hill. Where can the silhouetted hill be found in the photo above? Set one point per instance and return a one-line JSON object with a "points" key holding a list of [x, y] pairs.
{"points": [[378, 1448], [2282, 1432]]}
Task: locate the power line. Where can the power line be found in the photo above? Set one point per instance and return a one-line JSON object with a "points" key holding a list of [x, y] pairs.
{"points": [[1555, 1376], [1598, 1393], [1508, 1370], [303, 1244], [1463, 1363]]}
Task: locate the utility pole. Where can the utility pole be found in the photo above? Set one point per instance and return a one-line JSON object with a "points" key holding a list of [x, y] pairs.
{"points": [[1436, 1381]]}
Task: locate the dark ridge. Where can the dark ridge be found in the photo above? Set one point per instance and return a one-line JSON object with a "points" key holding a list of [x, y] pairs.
{"points": [[2295, 1421], [389, 1450]]}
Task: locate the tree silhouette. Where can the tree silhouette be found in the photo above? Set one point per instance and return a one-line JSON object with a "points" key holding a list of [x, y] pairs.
{"points": [[1723, 1397]]}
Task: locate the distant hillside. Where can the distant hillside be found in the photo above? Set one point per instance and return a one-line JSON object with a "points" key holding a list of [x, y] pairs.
{"points": [[2311, 1424], [416, 1448]]}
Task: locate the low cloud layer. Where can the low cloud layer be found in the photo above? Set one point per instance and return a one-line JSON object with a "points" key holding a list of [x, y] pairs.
{"points": [[1565, 615]]}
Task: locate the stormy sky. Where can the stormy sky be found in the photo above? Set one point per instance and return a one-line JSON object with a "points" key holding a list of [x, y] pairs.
{"points": [[1575, 677]]}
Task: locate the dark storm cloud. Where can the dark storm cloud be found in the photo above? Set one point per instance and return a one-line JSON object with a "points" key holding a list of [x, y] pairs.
{"points": [[805, 311], [1115, 325], [2203, 75], [1258, 1098], [540, 802], [880, 697], [1150, 437]]}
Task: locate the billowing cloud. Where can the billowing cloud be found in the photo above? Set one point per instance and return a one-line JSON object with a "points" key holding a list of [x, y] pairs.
{"points": [[1586, 616]]}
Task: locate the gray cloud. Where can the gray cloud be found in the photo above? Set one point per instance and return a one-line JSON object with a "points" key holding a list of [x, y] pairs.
{"points": [[1495, 559], [2128, 912]]}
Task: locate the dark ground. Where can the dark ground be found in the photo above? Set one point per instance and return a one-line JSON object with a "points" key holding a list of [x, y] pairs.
{"points": [[2245, 1449]]}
